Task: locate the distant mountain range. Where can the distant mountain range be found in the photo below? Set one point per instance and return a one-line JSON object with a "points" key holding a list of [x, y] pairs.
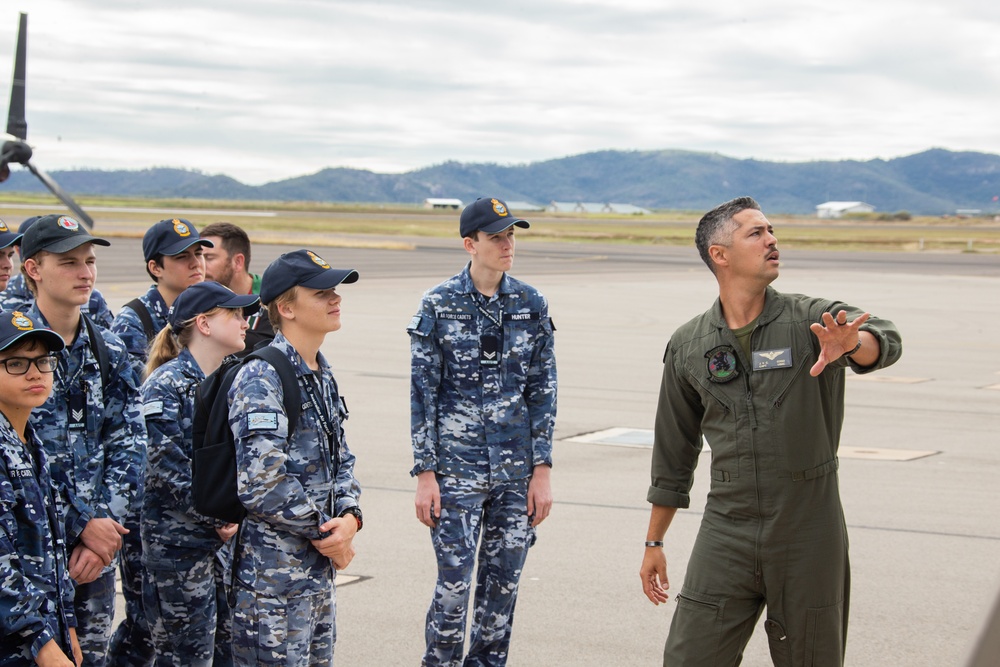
{"points": [[934, 182]]}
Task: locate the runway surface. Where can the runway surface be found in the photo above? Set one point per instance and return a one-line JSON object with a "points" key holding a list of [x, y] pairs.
{"points": [[925, 538]]}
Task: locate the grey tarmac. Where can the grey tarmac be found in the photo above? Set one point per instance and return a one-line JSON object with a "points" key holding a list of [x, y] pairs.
{"points": [[925, 538]]}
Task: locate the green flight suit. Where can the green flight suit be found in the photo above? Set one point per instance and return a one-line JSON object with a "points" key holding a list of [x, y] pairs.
{"points": [[773, 533]]}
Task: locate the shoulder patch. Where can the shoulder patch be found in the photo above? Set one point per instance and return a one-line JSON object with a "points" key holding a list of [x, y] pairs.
{"points": [[421, 325], [152, 408], [262, 421]]}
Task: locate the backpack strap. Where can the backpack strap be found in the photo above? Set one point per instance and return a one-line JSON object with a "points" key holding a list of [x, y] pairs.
{"points": [[289, 381], [100, 350], [147, 322]]}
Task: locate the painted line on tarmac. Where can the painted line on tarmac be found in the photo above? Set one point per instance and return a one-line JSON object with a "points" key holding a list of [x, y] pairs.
{"points": [[642, 438], [887, 379]]}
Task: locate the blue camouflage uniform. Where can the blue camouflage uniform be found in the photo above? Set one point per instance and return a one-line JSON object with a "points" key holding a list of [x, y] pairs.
{"points": [[36, 592], [95, 439], [483, 405], [184, 596], [132, 644], [128, 327], [285, 609], [17, 296]]}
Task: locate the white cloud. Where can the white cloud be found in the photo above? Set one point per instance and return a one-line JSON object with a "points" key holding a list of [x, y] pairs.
{"points": [[263, 90]]}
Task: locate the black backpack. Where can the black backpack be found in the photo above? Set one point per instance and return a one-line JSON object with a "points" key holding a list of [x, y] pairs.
{"points": [[100, 350], [145, 318], [213, 461]]}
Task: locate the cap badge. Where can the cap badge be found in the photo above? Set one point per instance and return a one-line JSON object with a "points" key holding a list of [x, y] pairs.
{"points": [[21, 322], [499, 208], [69, 223], [181, 228], [3, 226], [318, 260]]}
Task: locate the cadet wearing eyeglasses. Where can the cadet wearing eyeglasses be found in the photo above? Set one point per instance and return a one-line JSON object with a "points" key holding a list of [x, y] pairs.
{"points": [[37, 621]]}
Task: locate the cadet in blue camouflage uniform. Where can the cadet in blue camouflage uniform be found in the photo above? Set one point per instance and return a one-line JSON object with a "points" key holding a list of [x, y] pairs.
{"points": [[14, 293], [483, 407], [8, 239], [184, 591], [93, 433], [300, 492], [37, 622], [173, 253], [172, 250], [228, 263]]}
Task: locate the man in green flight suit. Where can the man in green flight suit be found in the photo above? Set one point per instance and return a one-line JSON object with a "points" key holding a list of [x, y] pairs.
{"points": [[761, 376]]}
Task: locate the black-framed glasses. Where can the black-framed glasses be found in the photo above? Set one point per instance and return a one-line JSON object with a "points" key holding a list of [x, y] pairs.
{"points": [[19, 365]]}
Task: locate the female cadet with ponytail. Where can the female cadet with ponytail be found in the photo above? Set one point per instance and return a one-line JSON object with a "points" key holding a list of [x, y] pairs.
{"points": [[184, 595]]}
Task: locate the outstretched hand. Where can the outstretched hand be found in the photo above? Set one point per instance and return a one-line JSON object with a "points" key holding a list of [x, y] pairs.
{"points": [[836, 337]]}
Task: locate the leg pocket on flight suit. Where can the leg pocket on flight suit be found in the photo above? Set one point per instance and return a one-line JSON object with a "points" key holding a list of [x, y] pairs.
{"points": [[696, 630], [825, 636], [777, 641]]}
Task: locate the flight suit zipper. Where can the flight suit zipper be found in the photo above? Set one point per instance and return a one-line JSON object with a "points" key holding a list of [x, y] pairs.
{"points": [[756, 472]]}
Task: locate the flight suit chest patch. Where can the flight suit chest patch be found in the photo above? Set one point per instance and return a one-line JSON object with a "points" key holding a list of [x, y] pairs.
{"points": [[722, 364], [766, 360]]}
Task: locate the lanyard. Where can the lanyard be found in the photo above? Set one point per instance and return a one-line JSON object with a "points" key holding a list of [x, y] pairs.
{"points": [[324, 418], [325, 421], [489, 315]]}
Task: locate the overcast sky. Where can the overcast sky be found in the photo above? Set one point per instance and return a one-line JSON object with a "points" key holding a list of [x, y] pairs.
{"points": [[264, 90]]}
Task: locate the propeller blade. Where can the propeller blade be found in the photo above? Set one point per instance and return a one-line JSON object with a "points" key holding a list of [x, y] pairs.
{"points": [[80, 214], [16, 124]]}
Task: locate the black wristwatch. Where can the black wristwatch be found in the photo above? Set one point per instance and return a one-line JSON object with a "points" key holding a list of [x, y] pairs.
{"points": [[356, 513]]}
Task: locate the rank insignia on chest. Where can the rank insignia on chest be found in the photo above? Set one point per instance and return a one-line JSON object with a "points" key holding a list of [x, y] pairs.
{"points": [[489, 350], [77, 412], [722, 364]]}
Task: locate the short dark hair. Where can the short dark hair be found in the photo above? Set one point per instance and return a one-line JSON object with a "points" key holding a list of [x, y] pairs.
{"points": [[158, 260], [234, 240], [717, 224]]}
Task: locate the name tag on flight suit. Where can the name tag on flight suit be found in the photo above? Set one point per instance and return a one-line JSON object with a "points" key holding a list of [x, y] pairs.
{"points": [[765, 360]]}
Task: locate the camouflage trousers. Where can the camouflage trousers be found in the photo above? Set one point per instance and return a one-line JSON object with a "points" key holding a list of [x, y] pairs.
{"points": [[131, 644], [272, 630], [499, 512], [187, 610], [95, 610]]}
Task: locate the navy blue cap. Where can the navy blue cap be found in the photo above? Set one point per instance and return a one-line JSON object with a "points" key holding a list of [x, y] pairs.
{"points": [[203, 297], [56, 233], [7, 237], [490, 215], [28, 222], [301, 267], [15, 326], [171, 237]]}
